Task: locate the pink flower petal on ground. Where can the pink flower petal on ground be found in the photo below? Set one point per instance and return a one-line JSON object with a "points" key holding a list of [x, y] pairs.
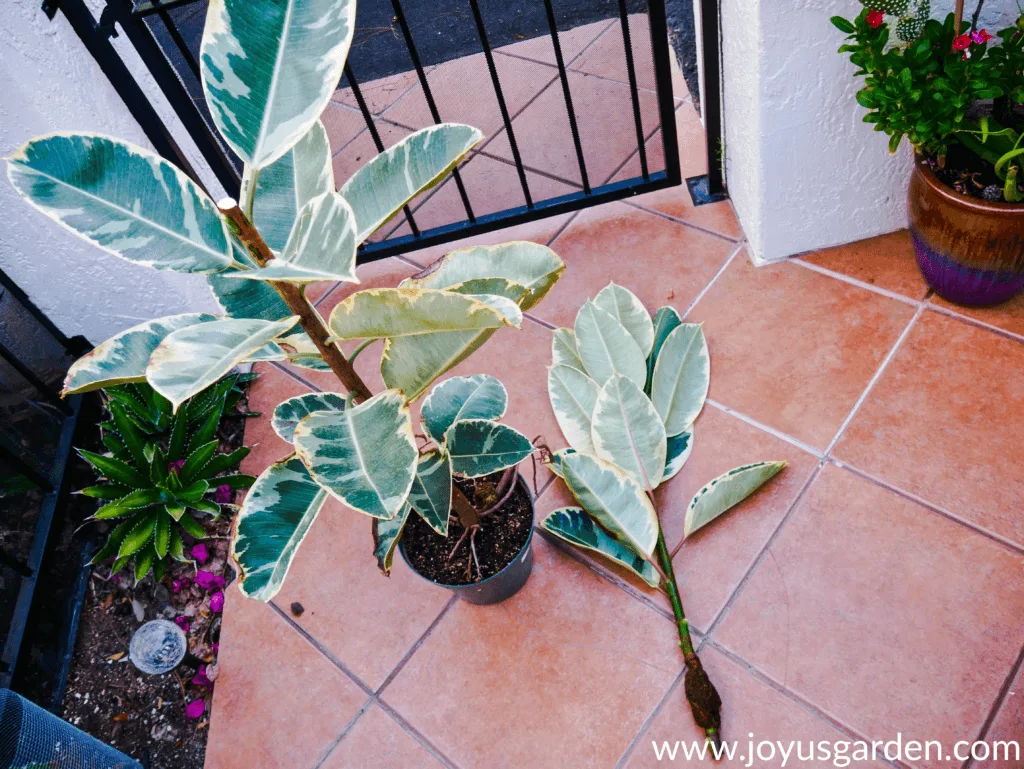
{"points": [[217, 602], [177, 585], [209, 581], [222, 496], [184, 623], [200, 553], [201, 679], [195, 709], [215, 648]]}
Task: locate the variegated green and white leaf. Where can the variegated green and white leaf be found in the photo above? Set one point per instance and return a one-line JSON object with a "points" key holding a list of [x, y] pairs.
{"points": [[270, 352], [535, 266], [270, 68], [682, 376], [275, 517], [365, 455], [386, 533], [124, 357], [287, 185], [630, 312], [666, 320], [606, 347], [563, 350], [628, 432], [478, 447], [576, 527], [555, 465], [678, 450], [614, 500], [726, 491], [246, 298], [289, 413], [482, 287], [191, 359], [379, 189], [573, 396], [377, 313], [124, 199], [322, 246], [431, 493], [480, 396]]}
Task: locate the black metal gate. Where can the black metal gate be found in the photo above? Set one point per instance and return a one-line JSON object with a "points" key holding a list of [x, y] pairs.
{"points": [[451, 60]]}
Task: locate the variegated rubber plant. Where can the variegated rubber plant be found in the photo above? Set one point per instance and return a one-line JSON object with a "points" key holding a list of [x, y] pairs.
{"points": [[626, 389], [269, 68]]}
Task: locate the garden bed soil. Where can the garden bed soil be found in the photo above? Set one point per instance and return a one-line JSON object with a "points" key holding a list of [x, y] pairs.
{"points": [[143, 715], [968, 174], [501, 536]]}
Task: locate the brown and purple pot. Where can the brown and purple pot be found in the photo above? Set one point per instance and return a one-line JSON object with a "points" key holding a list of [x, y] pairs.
{"points": [[970, 251]]}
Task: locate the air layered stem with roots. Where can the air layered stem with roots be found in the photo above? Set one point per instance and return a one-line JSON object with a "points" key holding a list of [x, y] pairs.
{"points": [[295, 298]]}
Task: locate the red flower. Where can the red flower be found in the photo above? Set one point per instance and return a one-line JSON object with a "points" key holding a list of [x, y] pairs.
{"points": [[980, 36], [962, 43], [875, 19]]}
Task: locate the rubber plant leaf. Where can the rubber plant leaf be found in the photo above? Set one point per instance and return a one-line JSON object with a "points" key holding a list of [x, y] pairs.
{"points": [[283, 188], [365, 455], [576, 527], [628, 432], [275, 517], [555, 464], [127, 200], [379, 189], [677, 450], [573, 396], [682, 377], [246, 298], [666, 320], [606, 347], [479, 447], [726, 491], [269, 69], [289, 413], [630, 312], [563, 350], [431, 493], [386, 534], [191, 359], [466, 397], [614, 500]]}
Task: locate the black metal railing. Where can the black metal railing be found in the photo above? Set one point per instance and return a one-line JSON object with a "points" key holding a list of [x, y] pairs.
{"points": [[393, 38]]}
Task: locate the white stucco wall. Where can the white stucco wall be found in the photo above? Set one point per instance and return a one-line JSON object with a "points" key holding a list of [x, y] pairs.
{"points": [[50, 82], [804, 172]]}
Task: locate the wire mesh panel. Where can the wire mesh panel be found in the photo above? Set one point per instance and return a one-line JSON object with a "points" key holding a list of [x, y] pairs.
{"points": [[33, 738]]}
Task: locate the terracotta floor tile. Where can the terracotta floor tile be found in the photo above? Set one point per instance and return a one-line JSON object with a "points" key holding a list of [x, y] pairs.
{"points": [[464, 93], [377, 742], [342, 126], [572, 42], [367, 620], [270, 683], [691, 142], [661, 261], [378, 94], [272, 387], [604, 115], [568, 669], [792, 348], [607, 56], [886, 616], [1008, 316], [749, 706], [944, 422], [886, 261], [1007, 727]]}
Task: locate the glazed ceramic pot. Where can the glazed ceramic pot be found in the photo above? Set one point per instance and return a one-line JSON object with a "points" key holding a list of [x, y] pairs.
{"points": [[970, 251]]}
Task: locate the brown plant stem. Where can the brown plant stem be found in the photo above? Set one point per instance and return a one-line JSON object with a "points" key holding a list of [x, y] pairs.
{"points": [[958, 16], [295, 298]]}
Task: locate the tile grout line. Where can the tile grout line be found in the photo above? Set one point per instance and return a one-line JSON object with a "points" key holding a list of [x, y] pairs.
{"points": [[652, 716], [647, 137], [974, 322], [1004, 690], [635, 203], [344, 733], [415, 733], [286, 370], [817, 453], [416, 645], [854, 281], [585, 48], [874, 379], [714, 278]]}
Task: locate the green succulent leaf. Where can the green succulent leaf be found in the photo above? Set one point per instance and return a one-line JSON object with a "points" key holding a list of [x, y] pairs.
{"points": [[727, 491], [678, 450], [239, 481], [130, 504], [115, 470], [139, 535], [682, 377], [123, 358], [105, 491], [478, 447], [127, 200], [431, 493], [223, 462], [193, 492], [113, 543], [666, 320], [614, 500], [144, 561], [606, 347], [269, 70], [468, 397], [576, 527], [386, 534], [365, 455], [196, 461], [563, 350], [628, 433], [623, 304], [133, 439], [573, 396], [192, 527], [380, 188], [292, 411], [176, 548], [162, 536], [189, 360]]}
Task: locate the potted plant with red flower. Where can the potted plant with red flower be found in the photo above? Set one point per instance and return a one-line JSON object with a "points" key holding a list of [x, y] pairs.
{"points": [[956, 92]]}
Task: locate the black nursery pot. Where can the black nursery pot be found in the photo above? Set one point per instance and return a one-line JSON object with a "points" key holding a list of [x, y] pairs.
{"points": [[501, 585]]}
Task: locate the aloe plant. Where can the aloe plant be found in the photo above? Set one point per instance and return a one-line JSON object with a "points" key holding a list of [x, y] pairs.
{"points": [[269, 68], [626, 389]]}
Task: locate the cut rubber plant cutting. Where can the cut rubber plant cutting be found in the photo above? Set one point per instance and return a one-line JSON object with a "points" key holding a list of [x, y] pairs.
{"points": [[626, 389], [269, 69]]}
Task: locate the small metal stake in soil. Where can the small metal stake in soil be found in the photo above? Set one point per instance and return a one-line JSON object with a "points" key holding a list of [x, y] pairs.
{"points": [[157, 647]]}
